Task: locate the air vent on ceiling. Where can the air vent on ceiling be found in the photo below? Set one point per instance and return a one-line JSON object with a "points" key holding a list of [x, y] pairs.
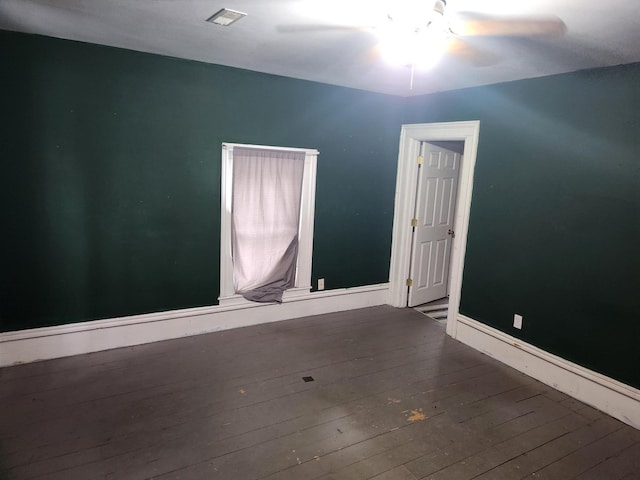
{"points": [[226, 17]]}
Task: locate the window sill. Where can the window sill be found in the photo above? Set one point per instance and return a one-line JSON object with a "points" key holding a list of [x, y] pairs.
{"points": [[238, 300]]}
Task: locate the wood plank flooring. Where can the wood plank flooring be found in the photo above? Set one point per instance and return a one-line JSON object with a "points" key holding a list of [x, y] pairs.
{"points": [[392, 398]]}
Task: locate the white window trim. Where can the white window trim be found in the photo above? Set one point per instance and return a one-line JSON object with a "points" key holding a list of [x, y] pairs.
{"points": [[305, 233]]}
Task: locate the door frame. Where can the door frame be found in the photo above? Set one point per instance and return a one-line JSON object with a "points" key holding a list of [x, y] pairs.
{"points": [[410, 138]]}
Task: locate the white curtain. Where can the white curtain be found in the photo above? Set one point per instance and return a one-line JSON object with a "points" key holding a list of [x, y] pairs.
{"points": [[265, 215]]}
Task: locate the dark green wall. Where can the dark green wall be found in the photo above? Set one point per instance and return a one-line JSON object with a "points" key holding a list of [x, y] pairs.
{"points": [[110, 184], [555, 216], [111, 174]]}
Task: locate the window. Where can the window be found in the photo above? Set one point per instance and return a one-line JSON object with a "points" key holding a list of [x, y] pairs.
{"points": [[302, 282]]}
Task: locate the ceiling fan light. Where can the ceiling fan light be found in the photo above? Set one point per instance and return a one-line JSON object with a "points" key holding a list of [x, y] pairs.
{"points": [[428, 59], [423, 49], [416, 14], [396, 53]]}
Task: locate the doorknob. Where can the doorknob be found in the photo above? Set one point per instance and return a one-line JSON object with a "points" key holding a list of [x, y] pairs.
{"points": [[452, 233]]}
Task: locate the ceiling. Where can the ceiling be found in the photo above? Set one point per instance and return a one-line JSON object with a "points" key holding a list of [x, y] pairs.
{"points": [[319, 40]]}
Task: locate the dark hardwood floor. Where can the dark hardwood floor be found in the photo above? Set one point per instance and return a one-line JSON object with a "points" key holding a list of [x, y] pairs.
{"points": [[392, 398]]}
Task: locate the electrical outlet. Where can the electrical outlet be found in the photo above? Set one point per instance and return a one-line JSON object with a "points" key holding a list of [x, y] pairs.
{"points": [[321, 284], [517, 321]]}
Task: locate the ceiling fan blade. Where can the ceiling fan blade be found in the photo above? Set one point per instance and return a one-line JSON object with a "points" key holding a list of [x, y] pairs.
{"points": [[471, 54], [473, 24]]}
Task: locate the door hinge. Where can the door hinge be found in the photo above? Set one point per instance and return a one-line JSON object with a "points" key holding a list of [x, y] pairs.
{"points": [[414, 222], [409, 282], [420, 159]]}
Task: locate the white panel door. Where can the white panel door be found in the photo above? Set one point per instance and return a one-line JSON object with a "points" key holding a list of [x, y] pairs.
{"points": [[433, 235]]}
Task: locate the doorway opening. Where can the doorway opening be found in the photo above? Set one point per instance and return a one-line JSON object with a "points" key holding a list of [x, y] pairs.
{"points": [[433, 227], [413, 139], [436, 310], [433, 221]]}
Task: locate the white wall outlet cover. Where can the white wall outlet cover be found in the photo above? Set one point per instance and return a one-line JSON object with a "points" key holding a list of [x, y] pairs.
{"points": [[517, 321], [321, 284]]}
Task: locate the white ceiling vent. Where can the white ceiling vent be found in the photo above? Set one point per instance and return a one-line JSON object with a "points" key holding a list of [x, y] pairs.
{"points": [[226, 17]]}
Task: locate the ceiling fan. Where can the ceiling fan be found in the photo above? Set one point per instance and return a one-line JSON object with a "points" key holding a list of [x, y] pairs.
{"points": [[416, 33]]}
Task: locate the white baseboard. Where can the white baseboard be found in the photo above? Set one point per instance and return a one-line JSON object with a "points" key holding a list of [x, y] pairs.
{"points": [[606, 394], [73, 339]]}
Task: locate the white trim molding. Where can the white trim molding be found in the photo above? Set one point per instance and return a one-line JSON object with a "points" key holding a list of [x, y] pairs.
{"points": [[77, 338], [305, 233], [410, 138], [606, 394]]}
